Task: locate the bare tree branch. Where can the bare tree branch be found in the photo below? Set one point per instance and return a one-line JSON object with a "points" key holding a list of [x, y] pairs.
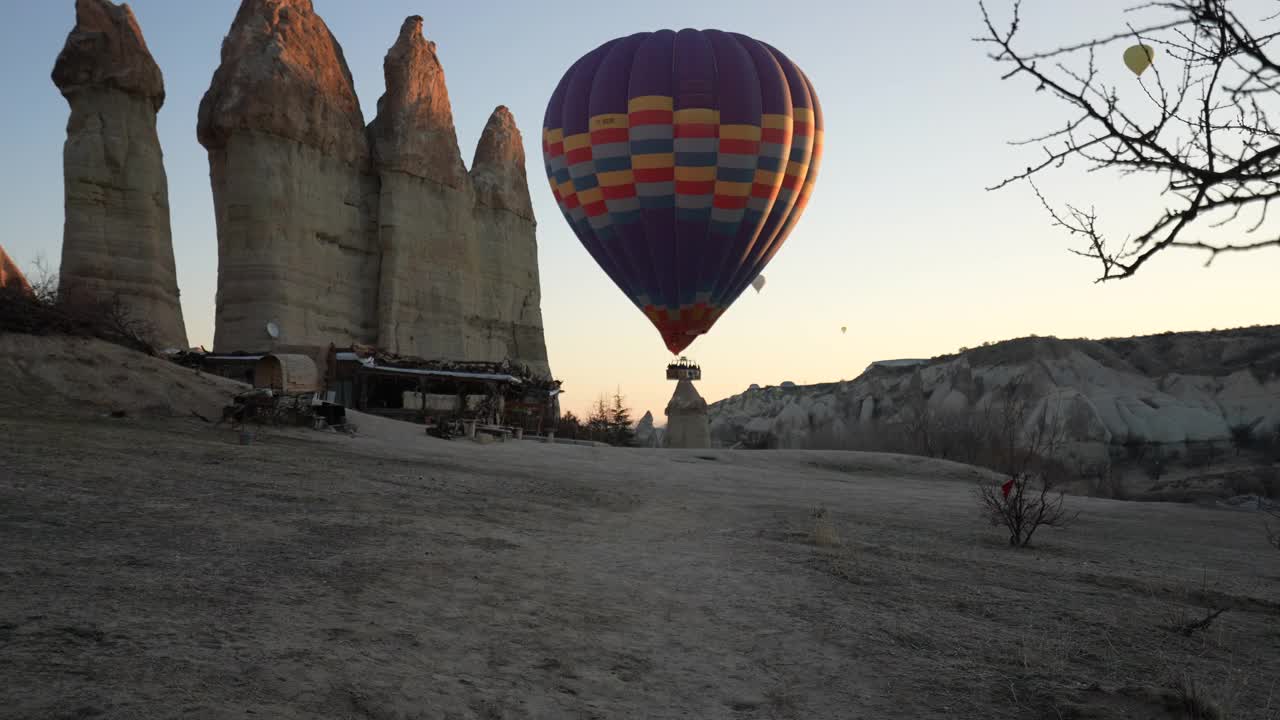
{"points": [[1212, 139]]}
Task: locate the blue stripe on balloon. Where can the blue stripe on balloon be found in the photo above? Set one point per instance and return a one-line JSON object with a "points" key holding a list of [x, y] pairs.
{"points": [[693, 215], [770, 164], [625, 218], [696, 159], [729, 174], [585, 182], [650, 147], [657, 202], [609, 164]]}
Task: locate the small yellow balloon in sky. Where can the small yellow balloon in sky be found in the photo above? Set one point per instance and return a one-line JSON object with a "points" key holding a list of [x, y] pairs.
{"points": [[843, 330], [1139, 58]]}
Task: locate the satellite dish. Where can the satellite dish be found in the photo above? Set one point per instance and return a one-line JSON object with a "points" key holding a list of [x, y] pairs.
{"points": [[273, 330]]}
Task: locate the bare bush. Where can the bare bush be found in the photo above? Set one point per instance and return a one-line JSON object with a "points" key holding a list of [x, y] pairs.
{"points": [[824, 531], [52, 310], [1023, 449]]}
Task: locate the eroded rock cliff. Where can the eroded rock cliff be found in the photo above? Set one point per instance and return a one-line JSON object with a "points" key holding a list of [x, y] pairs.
{"points": [[341, 233], [116, 237], [294, 199], [1169, 389]]}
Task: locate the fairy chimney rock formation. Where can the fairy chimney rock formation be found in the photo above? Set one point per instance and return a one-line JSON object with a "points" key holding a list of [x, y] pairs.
{"points": [[294, 204], [498, 170], [339, 232], [687, 424], [429, 287], [508, 246], [11, 278], [413, 132], [117, 240]]}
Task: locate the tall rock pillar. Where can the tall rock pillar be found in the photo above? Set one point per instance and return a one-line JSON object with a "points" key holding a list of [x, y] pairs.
{"points": [[116, 239], [687, 425], [509, 322], [428, 287], [293, 195]]}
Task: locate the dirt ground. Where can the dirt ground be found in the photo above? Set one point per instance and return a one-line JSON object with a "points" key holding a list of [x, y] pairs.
{"points": [[153, 567]]}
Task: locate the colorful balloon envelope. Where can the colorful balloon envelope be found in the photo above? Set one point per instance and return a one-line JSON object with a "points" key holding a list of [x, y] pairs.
{"points": [[683, 160], [1139, 57]]}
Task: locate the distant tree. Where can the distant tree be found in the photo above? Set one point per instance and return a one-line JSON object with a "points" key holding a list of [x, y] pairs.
{"points": [[1205, 126], [569, 427], [599, 420], [621, 432]]}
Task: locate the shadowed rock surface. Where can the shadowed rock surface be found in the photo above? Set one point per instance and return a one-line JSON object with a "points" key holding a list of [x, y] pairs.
{"points": [[429, 285], [687, 424], [116, 237]]}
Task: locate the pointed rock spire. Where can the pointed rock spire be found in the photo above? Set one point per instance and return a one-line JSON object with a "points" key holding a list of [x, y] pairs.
{"points": [[11, 278], [498, 170], [106, 49], [284, 73], [413, 132]]}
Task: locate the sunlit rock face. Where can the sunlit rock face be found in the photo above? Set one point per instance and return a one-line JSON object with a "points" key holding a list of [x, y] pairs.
{"points": [[1163, 389], [338, 232], [116, 240]]}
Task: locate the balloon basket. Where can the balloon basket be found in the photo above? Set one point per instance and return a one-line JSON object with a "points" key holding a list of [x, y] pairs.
{"points": [[684, 369]]}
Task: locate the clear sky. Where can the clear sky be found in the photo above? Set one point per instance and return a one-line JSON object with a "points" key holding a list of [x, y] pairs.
{"points": [[900, 242]]}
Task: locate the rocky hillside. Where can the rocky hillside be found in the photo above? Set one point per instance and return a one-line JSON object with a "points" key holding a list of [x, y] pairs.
{"points": [[1167, 389]]}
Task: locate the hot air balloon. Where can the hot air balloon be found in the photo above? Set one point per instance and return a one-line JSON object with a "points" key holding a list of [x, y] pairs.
{"points": [[758, 283], [843, 329], [683, 160], [1139, 58]]}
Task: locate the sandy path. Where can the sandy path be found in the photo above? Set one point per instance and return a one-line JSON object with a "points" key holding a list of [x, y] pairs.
{"points": [[155, 568]]}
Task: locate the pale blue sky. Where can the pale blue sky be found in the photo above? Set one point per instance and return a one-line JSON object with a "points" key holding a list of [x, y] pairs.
{"points": [[900, 242]]}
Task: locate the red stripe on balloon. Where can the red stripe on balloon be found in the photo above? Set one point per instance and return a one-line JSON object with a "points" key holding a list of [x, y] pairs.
{"points": [[654, 175], [697, 130], [773, 135], [596, 209], [578, 156], [760, 190], [651, 117], [725, 202], [610, 135], [739, 147], [618, 192]]}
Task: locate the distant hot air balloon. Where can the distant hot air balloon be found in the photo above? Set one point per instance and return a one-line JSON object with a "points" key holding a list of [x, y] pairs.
{"points": [[758, 283], [1139, 58], [843, 329], [683, 160]]}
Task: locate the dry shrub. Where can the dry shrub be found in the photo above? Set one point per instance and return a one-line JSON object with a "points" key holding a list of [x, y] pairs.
{"points": [[1191, 701], [824, 531], [1024, 446], [50, 310]]}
